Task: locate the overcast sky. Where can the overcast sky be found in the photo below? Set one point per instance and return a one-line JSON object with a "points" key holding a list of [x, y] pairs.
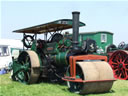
{"points": [[98, 15]]}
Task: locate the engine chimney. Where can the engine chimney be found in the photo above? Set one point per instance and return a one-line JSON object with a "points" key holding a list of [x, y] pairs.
{"points": [[75, 28], [75, 48]]}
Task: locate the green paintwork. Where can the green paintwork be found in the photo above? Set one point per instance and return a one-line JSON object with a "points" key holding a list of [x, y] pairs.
{"points": [[33, 45], [18, 71], [61, 59]]}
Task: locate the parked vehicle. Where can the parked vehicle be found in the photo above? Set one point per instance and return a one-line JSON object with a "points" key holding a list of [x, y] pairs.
{"points": [[9, 49], [61, 58]]}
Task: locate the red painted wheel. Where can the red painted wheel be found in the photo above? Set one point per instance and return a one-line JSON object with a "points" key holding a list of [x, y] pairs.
{"points": [[119, 64]]}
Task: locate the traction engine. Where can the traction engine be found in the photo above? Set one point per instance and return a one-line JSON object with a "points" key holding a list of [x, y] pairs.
{"points": [[62, 58]]}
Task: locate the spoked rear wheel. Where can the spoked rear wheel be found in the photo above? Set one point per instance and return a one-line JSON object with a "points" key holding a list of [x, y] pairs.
{"points": [[119, 64], [30, 71]]}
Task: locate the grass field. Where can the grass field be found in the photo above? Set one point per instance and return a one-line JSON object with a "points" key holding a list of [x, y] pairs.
{"points": [[11, 88]]}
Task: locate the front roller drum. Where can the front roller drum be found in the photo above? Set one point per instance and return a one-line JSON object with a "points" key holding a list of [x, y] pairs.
{"points": [[95, 73]]}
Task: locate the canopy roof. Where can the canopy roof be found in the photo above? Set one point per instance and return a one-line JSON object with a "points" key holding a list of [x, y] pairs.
{"points": [[57, 25]]}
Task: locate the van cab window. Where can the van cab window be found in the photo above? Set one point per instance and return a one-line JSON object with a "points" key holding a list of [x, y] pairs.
{"points": [[4, 51]]}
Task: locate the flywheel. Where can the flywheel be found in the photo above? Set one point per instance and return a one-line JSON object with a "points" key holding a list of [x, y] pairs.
{"points": [[29, 68], [95, 72]]}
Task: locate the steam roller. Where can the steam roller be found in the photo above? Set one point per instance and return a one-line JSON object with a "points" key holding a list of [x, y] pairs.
{"points": [[61, 58]]}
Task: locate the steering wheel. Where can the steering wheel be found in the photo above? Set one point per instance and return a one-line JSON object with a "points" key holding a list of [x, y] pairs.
{"points": [[121, 45], [28, 40]]}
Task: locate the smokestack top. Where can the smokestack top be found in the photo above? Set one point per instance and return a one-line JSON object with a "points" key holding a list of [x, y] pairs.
{"points": [[75, 12]]}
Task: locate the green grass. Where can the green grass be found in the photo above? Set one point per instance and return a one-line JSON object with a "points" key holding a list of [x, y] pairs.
{"points": [[11, 88]]}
